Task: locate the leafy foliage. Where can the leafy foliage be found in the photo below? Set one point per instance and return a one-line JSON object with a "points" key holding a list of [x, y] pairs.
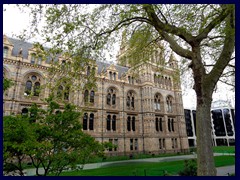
{"points": [[7, 83], [190, 168], [54, 141]]}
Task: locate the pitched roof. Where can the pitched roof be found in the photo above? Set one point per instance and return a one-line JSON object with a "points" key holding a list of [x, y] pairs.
{"points": [[102, 66]]}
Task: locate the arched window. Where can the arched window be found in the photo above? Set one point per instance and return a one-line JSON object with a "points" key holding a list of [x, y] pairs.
{"points": [[28, 87], [130, 100], [85, 121], [111, 97], [24, 112], [86, 96], [92, 97], [36, 89], [129, 123], [108, 122], [114, 123], [91, 121], [110, 75], [32, 86], [111, 122], [33, 58], [5, 51], [157, 101], [169, 125], [114, 76], [133, 123], [160, 123], [169, 104]]}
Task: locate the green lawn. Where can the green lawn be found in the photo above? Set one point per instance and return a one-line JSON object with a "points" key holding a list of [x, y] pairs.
{"points": [[224, 149], [144, 168]]}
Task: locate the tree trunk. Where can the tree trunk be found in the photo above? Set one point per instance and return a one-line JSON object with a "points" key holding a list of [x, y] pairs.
{"points": [[205, 160]]}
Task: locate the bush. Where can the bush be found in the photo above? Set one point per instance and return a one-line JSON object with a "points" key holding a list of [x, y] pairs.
{"points": [[190, 168]]}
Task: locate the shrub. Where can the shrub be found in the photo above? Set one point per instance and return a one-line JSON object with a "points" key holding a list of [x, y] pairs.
{"points": [[190, 168]]}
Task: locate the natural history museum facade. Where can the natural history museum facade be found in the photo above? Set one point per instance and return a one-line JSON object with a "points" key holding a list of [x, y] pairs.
{"points": [[141, 114]]}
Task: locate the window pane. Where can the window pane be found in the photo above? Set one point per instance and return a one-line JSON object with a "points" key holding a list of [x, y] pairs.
{"points": [[108, 122], [91, 121], [85, 119], [28, 87], [36, 89], [92, 97], [114, 123]]}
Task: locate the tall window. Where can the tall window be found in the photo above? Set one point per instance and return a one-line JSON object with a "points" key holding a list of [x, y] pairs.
{"points": [[111, 97], [170, 124], [110, 75], [114, 76], [88, 121], [91, 121], [32, 86], [5, 52], [86, 96], [130, 100], [131, 123], [89, 97], [114, 122], [158, 124], [39, 60], [33, 58], [92, 97], [111, 122], [169, 104], [157, 102], [63, 92]]}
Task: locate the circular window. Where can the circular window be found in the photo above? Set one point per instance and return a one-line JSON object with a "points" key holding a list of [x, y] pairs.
{"points": [[34, 78]]}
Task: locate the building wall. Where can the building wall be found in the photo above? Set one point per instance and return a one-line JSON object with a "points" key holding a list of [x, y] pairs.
{"points": [[144, 138]]}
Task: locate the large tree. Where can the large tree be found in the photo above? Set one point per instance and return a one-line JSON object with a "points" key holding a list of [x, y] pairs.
{"points": [[199, 33]]}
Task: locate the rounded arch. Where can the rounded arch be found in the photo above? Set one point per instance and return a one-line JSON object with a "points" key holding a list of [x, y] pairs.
{"points": [[34, 72], [133, 91], [113, 87]]}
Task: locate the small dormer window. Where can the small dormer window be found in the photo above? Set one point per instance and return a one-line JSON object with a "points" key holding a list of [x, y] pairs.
{"points": [[5, 52], [39, 60], [33, 58]]}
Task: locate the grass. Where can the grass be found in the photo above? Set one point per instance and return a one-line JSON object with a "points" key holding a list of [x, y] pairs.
{"points": [[218, 149], [224, 149], [144, 168]]}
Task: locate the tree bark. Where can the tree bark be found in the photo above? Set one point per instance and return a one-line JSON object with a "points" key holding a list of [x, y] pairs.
{"points": [[205, 160]]}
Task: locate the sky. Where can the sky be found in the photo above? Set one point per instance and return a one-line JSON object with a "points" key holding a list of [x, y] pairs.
{"points": [[14, 22]]}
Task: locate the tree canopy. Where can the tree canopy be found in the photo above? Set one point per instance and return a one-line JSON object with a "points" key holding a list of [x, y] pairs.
{"points": [[202, 34], [49, 138]]}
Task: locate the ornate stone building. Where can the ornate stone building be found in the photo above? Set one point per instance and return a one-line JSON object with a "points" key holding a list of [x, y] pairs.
{"points": [[140, 114]]}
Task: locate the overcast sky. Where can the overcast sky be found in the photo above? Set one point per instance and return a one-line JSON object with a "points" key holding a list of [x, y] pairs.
{"points": [[14, 22]]}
